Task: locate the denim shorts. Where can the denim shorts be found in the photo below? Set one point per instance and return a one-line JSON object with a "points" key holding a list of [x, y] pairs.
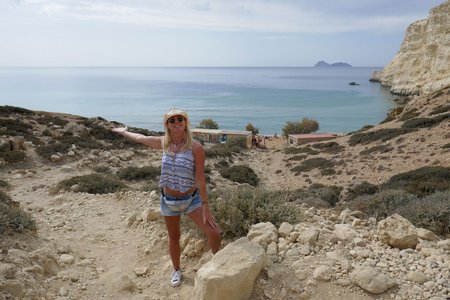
{"points": [[166, 211]]}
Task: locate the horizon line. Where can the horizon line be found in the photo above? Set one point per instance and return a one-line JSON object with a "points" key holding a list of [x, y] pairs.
{"points": [[209, 66]]}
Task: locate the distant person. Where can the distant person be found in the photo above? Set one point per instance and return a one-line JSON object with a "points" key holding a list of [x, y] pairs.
{"points": [[182, 183]]}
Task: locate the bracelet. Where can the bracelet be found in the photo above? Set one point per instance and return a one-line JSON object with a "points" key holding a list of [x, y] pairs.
{"points": [[205, 202]]}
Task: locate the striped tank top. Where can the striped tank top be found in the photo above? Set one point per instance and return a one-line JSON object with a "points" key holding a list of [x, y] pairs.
{"points": [[178, 171]]}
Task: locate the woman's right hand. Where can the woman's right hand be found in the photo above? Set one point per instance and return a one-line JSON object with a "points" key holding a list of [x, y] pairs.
{"points": [[120, 130]]}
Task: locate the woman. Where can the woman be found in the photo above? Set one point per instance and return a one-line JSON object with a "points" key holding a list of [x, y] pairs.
{"points": [[182, 182]]}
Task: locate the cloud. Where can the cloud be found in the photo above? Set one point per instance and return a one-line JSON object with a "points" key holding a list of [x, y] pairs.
{"points": [[232, 15]]}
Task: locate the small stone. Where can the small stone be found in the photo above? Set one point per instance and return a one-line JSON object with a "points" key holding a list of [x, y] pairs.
{"points": [[63, 292]]}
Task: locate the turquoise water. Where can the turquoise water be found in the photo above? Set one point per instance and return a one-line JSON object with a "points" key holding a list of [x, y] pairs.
{"points": [[233, 97]]}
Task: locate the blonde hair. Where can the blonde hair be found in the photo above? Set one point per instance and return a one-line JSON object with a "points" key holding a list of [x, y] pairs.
{"points": [[189, 140]]}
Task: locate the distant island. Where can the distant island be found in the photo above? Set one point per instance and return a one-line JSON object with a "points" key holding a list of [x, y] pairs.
{"points": [[323, 63]]}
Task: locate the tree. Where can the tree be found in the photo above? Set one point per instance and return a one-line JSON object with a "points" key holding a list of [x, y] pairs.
{"points": [[208, 124], [305, 126], [251, 128]]}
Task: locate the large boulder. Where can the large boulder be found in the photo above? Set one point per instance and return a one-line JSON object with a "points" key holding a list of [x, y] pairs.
{"points": [[397, 232], [263, 234], [371, 280], [231, 273]]}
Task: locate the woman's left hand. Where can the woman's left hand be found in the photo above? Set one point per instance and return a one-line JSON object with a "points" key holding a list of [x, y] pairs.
{"points": [[208, 217]]}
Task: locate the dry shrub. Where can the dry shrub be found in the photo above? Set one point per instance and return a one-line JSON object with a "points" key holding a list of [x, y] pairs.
{"points": [[232, 146], [297, 157], [328, 147], [422, 181], [13, 217], [383, 135], [440, 109], [364, 188], [425, 122], [314, 163], [378, 148], [237, 210], [136, 173], [409, 114], [6, 111], [14, 156], [241, 174], [47, 151], [47, 119], [93, 184], [102, 169], [298, 150], [15, 127], [84, 142], [431, 212]]}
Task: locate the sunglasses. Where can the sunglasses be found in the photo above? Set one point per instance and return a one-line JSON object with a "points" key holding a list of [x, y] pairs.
{"points": [[179, 119]]}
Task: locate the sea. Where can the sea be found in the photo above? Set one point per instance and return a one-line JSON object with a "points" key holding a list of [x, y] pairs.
{"points": [[266, 97]]}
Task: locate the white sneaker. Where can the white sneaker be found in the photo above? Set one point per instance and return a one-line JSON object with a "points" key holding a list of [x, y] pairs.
{"points": [[176, 278]]}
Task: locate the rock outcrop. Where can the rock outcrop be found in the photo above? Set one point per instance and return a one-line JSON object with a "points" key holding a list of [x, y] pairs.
{"points": [[422, 65], [231, 273]]}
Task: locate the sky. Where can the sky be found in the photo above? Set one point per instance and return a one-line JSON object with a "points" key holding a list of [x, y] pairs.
{"points": [[204, 32]]}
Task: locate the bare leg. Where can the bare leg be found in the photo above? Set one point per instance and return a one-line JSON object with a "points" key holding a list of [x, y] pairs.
{"points": [[212, 233], [173, 229]]}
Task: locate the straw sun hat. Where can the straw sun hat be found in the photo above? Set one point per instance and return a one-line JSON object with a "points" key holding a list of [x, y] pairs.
{"points": [[175, 112]]}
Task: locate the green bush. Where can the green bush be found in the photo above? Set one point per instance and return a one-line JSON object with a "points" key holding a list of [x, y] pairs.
{"points": [[13, 157], [238, 210], [241, 174], [305, 126], [422, 181], [93, 184], [378, 135], [48, 150], [136, 173], [208, 124], [252, 128], [13, 217], [313, 163]]}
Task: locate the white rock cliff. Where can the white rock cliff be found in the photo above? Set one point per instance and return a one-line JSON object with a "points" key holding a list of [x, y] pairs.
{"points": [[422, 65]]}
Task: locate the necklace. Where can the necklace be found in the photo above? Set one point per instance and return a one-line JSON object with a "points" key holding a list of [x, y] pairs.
{"points": [[176, 146]]}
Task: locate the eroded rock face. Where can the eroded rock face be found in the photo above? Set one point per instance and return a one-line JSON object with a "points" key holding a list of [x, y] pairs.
{"points": [[422, 65]]}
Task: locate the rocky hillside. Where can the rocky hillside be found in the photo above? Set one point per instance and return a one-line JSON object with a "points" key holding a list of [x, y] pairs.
{"points": [[422, 64], [111, 243]]}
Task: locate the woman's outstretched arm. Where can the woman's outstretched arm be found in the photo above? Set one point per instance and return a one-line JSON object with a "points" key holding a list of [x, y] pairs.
{"points": [[154, 142]]}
